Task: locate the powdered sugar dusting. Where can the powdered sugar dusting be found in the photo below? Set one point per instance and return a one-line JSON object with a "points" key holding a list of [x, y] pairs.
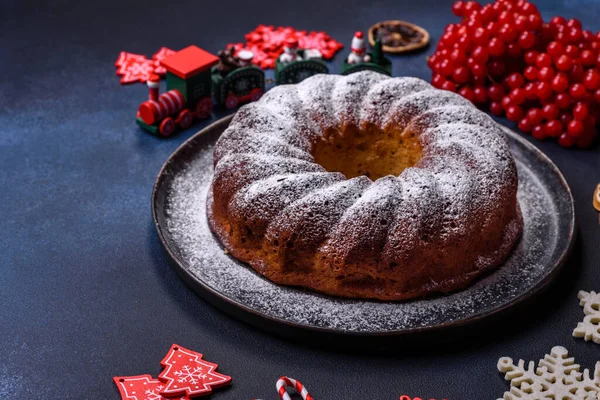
{"points": [[205, 259]]}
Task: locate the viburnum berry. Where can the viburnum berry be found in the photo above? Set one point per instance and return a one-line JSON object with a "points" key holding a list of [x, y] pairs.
{"points": [[553, 128], [496, 92], [539, 132], [480, 94], [507, 33], [560, 82], [530, 91], [480, 54], [514, 113], [535, 116], [531, 57], [530, 72], [581, 111], [573, 23], [587, 58], [564, 63], [572, 51], [575, 35], [544, 90], [461, 75], [481, 37], [550, 111], [496, 47], [577, 91], [543, 60], [535, 22], [566, 140], [515, 80], [448, 85], [496, 108], [591, 80], [575, 128], [558, 20], [546, 74], [467, 93], [517, 96], [562, 100], [458, 57], [525, 125], [555, 49], [458, 8]]}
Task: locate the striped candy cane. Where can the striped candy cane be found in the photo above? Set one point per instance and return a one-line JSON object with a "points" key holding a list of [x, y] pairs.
{"points": [[285, 381]]}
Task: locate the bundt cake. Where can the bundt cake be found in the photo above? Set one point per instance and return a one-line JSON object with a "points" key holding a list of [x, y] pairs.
{"points": [[365, 186]]}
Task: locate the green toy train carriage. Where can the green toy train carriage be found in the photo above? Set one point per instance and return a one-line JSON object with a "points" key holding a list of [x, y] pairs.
{"points": [[188, 94], [238, 86], [378, 63], [297, 71]]}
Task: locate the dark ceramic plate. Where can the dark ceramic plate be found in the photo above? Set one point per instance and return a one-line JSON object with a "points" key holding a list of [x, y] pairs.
{"points": [[178, 206]]}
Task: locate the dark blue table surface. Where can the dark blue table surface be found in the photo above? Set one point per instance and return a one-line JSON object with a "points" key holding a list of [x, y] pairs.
{"points": [[86, 290]]}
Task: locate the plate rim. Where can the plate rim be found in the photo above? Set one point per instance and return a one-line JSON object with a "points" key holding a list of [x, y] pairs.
{"points": [[234, 307]]}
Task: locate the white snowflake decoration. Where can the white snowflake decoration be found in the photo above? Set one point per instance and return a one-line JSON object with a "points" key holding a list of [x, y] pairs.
{"points": [[186, 374], [557, 377], [589, 329], [153, 394]]}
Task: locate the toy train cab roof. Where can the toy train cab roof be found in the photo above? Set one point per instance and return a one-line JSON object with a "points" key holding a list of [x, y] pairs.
{"points": [[189, 61]]}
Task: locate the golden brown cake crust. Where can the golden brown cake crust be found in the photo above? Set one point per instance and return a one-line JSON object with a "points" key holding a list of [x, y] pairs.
{"points": [[365, 186]]}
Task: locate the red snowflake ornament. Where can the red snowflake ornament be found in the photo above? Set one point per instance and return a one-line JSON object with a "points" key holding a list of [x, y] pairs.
{"points": [[134, 70], [186, 373], [158, 57], [140, 387]]}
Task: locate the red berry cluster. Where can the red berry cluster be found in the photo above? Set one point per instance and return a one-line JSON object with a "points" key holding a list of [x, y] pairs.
{"points": [[543, 76]]}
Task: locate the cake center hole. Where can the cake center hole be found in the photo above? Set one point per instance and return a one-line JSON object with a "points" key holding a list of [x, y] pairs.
{"points": [[374, 153]]}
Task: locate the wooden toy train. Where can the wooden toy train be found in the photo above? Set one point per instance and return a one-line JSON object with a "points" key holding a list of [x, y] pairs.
{"points": [[197, 80]]}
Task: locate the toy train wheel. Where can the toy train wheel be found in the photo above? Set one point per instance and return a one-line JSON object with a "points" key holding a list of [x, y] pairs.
{"points": [[231, 101], [185, 119], [167, 127], [256, 94], [204, 107]]}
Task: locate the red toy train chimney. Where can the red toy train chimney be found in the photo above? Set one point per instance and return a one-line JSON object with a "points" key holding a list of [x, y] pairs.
{"points": [[153, 83]]}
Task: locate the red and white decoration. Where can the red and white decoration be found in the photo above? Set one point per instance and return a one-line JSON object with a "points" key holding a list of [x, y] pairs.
{"points": [[358, 53], [186, 373], [284, 382], [137, 68], [267, 43], [290, 382], [141, 387]]}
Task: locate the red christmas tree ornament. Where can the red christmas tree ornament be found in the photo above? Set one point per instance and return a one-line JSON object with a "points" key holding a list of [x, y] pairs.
{"points": [[158, 57], [140, 387], [186, 373]]}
